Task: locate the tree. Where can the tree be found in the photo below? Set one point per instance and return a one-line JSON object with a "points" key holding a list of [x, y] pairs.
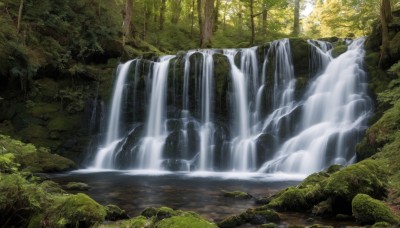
{"points": [[386, 17], [205, 10], [127, 12], [21, 7], [296, 21]]}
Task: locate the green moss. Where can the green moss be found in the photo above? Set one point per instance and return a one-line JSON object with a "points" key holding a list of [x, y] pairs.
{"points": [[185, 220], [269, 225], [48, 88], [64, 123], [290, 199], [7, 164], [34, 131], [381, 224], [137, 222], [77, 186], [367, 210], [34, 159], [44, 110], [76, 211], [366, 177], [336, 51], [36, 221], [115, 213], [237, 195], [51, 187]]}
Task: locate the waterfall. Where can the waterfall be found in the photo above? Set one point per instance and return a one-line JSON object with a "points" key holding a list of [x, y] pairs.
{"points": [[257, 114], [334, 111], [152, 144]]}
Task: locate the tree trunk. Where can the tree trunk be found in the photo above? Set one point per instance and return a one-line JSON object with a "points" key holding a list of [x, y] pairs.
{"points": [[192, 18], [206, 35], [264, 21], [21, 7], [296, 24], [216, 15], [200, 17], [252, 23], [127, 20], [144, 20], [386, 17], [162, 15]]}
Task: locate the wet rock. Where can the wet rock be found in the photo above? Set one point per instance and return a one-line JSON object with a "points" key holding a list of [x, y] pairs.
{"points": [[237, 195], [115, 213], [77, 186]]}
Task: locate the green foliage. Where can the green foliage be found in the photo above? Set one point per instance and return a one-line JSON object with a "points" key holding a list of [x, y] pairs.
{"points": [[292, 199], [367, 210], [7, 164], [32, 158]]}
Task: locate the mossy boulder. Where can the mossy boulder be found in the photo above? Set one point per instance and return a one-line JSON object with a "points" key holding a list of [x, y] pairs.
{"points": [[367, 210], [77, 186], [255, 216], [64, 123], [165, 217], [44, 110], [115, 213], [237, 195], [366, 177], [291, 199], [75, 211], [34, 131]]}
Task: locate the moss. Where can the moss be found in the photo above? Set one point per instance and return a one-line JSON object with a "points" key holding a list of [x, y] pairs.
{"points": [[137, 222], [290, 199], [367, 210], [44, 110], [232, 221], [336, 51], [237, 195], [34, 131], [149, 212], [366, 177], [36, 221], [48, 88], [51, 187], [64, 123], [77, 186], [269, 225], [381, 224], [115, 213], [185, 220], [76, 211], [34, 159], [7, 164]]}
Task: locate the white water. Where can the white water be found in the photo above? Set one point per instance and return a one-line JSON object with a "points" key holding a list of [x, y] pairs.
{"points": [[152, 144], [104, 157], [337, 104], [328, 117]]}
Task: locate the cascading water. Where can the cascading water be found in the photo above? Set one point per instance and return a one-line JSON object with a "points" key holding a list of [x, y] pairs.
{"points": [[335, 111], [250, 117]]}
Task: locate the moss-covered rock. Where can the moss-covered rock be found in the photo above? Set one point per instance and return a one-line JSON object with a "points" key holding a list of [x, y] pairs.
{"points": [[367, 210], [165, 217], [237, 195], [255, 216], [292, 199], [77, 186], [75, 211], [64, 123], [338, 50], [52, 187], [115, 213]]}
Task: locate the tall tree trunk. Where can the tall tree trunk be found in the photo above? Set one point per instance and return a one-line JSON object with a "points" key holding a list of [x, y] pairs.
{"points": [[252, 23], [162, 14], [144, 20], [200, 17], [207, 33], [192, 18], [386, 17], [216, 15], [127, 20], [264, 21], [21, 7], [296, 21]]}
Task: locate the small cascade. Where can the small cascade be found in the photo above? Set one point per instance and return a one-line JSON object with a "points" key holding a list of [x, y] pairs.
{"points": [[152, 144], [256, 113], [334, 114], [104, 157]]}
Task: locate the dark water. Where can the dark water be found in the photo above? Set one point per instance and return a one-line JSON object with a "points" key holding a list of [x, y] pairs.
{"points": [[201, 194]]}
